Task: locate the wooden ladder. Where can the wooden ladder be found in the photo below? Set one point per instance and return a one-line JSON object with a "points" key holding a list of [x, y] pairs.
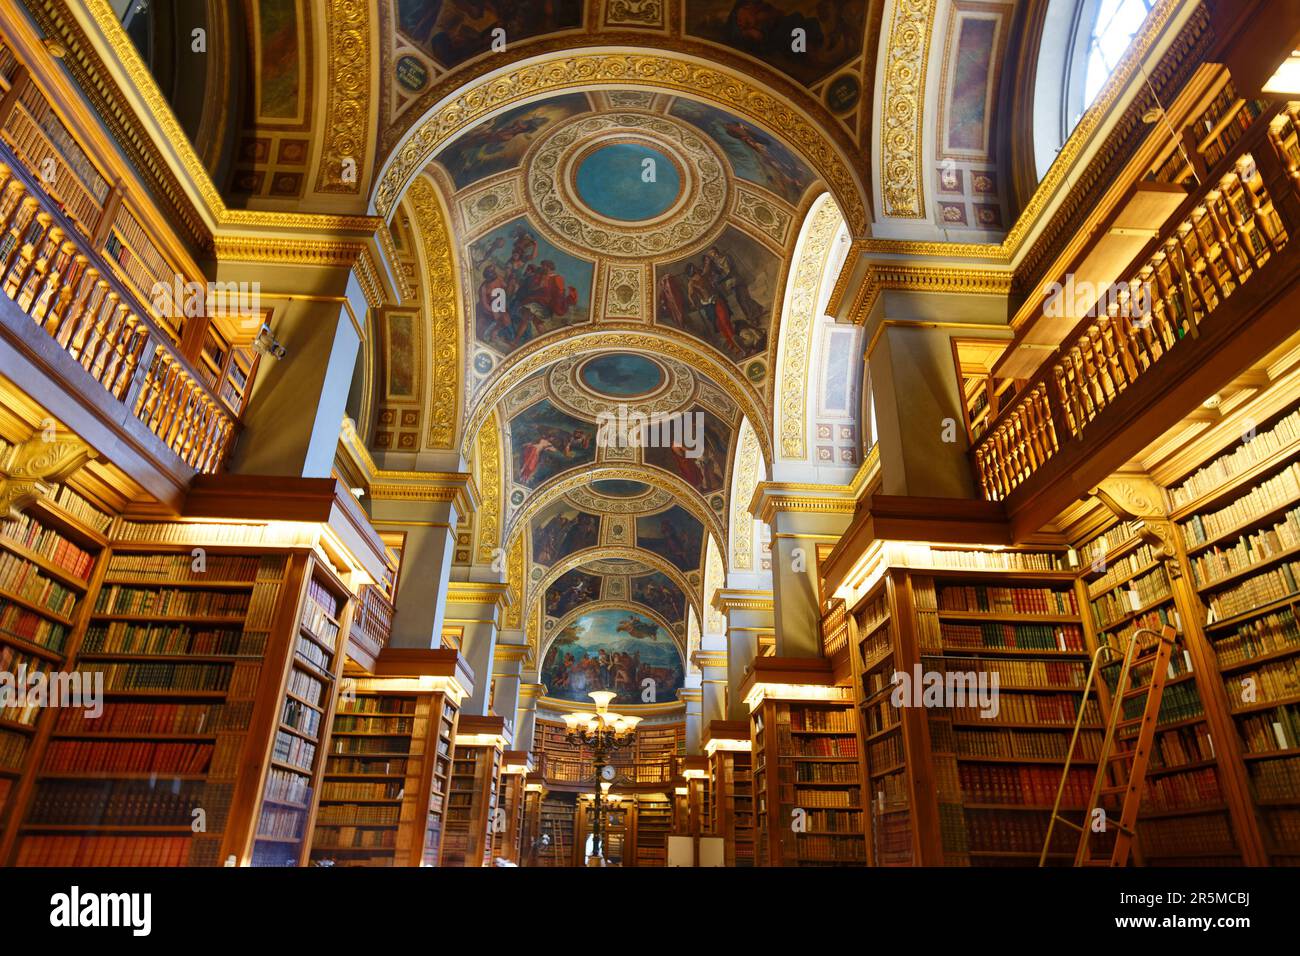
{"points": [[1120, 773]]}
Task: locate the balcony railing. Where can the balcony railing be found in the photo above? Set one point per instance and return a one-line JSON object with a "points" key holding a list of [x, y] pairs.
{"points": [[57, 279], [567, 770], [372, 623], [1228, 232]]}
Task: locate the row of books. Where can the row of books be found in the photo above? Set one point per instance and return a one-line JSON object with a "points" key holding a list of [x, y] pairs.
{"points": [[1121, 569], [1181, 746], [20, 578], [290, 789], [26, 707], [300, 717], [336, 814], [112, 756], [375, 704], [1276, 779], [281, 823], [1181, 791], [1094, 552], [387, 746], [826, 798], [343, 723], [1179, 702], [885, 753], [819, 746], [368, 766], [310, 652], [156, 717], [831, 821], [1015, 708], [171, 640], [306, 687], [12, 748], [1014, 831], [1279, 631], [18, 621], [877, 645], [890, 792], [1112, 607], [1224, 468], [1207, 834], [813, 847], [81, 509], [293, 750], [339, 790], [1272, 731], [957, 560], [879, 715], [1282, 489], [160, 676], [170, 602], [1018, 673], [132, 850], [49, 544], [1265, 587], [1024, 785], [994, 635], [369, 838], [1273, 681], [1284, 829], [1027, 745], [225, 568], [121, 802], [985, 598], [818, 719], [1251, 549]]}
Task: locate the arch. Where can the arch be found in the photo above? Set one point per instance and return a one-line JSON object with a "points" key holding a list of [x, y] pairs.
{"points": [[659, 70], [581, 558]]}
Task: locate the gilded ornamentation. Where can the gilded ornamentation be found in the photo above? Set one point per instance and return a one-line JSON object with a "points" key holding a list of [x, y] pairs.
{"points": [[569, 394], [634, 13], [763, 214], [595, 69], [498, 198], [746, 480], [882, 277], [347, 114], [561, 213], [902, 108], [715, 578], [444, 322], [515, 577], [31, 469], [623, 292], [585, 497], [799, 321], [488, 460]]}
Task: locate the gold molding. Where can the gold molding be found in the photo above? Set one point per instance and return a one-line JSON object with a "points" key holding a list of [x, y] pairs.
{"points": [[771, 497], [585, 70], [902, 113], [347, 116], [798, 324], [31, 468], [742, 599], [746, 480], [488, 464], [441, 298], [894, 277]]}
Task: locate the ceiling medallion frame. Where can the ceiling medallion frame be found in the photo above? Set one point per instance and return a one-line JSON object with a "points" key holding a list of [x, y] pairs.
{"points": [[567, 220], [571, 394], [651, 500], [574, 160]]}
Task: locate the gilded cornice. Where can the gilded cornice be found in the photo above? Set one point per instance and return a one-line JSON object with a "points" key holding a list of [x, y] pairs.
{"points": [[509, 653], [456, 487], [532, 692], [690, 695], [566, 69], [703, 659], [404, 288], [479, 592], [342, 253], [902, 113], [740, 599], [774, 497], [367, 272], [883, 277]]}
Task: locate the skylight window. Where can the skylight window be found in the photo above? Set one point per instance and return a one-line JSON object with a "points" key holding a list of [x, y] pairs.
{"points": [[1112, 32]]}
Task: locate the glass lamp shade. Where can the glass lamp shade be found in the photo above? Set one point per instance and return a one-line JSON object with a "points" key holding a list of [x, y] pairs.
{"points": [[631, 723], [602, 698], [593, 724], [571, 721]]}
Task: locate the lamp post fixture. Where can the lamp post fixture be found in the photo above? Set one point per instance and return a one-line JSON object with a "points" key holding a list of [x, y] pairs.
{"points": [[603, 732]]}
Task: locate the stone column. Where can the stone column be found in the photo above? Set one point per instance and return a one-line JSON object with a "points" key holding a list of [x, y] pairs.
{"points": [[800, 517], [476, 607], [749, 614], [526, 719], [692, 696], [711, 659], [426, 508], [507, 679]]}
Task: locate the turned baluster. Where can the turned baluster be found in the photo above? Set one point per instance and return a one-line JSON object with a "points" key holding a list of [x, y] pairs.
{"points": [[26, 257], [95, 340], [82, 315], [41, 270], [11, 247]]}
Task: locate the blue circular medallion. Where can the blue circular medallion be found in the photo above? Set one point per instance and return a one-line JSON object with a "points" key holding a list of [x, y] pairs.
{"points": [[630, 182], [621, 375]]}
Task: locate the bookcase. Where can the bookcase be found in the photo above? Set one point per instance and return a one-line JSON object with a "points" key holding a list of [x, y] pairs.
{"points": [[218, 650], [1238, 518], [652, 821], [508, 829], [809, 790], [557, 822], [731, 781], [657, 747], [474, 791], [389, 761], [48, 560], [695, 814], [649, 761]]}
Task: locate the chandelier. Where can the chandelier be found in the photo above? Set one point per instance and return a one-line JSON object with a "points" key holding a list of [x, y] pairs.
{"points": [[603, 732]]}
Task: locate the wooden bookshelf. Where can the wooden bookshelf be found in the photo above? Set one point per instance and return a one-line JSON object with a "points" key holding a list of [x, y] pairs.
{"points": [[389, 761], [695, 813], [47, 569], [652, 821], [474, 791], [731, 780], [557, 822], [508, 827], [809, 788], [657, 747], [1245, 503]]}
